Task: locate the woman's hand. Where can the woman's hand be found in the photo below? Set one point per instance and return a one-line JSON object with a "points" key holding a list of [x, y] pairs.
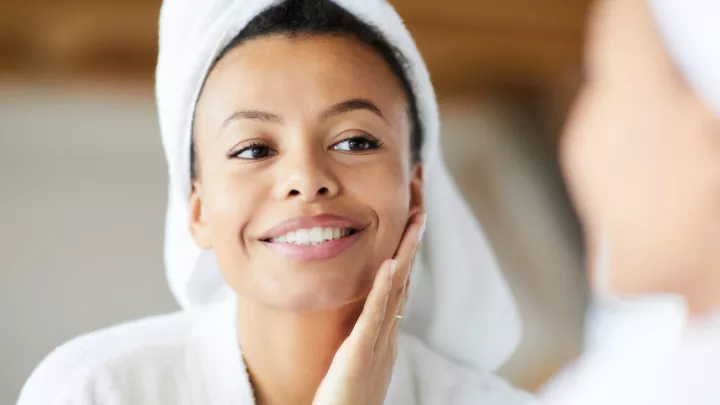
{"points": [[361, 370]]}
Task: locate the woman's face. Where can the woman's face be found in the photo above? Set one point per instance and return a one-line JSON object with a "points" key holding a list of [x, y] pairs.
{"points": [[641, 154], [305, 180]]}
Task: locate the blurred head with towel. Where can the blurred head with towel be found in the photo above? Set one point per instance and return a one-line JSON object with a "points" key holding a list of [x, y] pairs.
{"points": [[641, 155]]}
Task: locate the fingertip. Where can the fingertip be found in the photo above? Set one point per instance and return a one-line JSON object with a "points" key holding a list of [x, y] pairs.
{"points": [[384, 275]]}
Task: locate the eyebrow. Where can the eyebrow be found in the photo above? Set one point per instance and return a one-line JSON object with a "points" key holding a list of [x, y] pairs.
{"points": [[252, 115], [351, 105], [337, 109]]}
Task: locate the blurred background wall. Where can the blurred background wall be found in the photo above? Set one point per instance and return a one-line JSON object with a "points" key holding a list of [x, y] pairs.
{"points": [[83, 176]]}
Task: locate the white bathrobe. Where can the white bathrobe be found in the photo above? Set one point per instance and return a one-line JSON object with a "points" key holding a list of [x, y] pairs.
{"points": [[192, 357]]}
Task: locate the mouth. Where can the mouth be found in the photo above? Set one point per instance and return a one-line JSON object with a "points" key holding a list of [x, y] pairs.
{"points": [[320, 237], [313, 236]]}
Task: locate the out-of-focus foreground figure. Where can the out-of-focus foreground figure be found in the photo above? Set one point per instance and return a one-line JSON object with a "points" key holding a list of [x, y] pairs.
{"points": [[641, 155]]}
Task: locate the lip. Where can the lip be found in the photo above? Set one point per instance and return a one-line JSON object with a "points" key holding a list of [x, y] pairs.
{"points": [[322, 221], [322, 251]]}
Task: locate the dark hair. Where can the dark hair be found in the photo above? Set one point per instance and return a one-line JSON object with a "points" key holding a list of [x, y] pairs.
{"points": [[296, 18]]}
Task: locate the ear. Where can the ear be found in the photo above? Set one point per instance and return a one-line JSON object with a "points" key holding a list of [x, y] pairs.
{"points": [[416, 190], [199, 227]]}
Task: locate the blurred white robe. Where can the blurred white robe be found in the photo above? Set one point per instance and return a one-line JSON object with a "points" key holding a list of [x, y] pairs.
{"points": [[193, 357], [646, 356]]}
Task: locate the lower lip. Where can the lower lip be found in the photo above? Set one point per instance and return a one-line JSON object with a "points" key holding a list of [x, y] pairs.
{"points": [[321, 251]]}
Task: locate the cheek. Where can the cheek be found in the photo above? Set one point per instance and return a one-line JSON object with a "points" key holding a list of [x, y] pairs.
{"points": [[597, 169], [582, 154], [632, 171], [231, 200], [607, 155], [384, 189]]}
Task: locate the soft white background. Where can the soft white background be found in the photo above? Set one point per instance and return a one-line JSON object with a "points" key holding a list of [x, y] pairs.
{"points": [[82, 195]]}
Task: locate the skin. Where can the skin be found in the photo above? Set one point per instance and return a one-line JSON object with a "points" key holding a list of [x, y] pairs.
{"points": [[361, 370], [299, 312], [641, 156]]}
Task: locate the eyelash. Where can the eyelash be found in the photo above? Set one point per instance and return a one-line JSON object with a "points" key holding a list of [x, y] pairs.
{"points": [[371, 142], [235, 153]]}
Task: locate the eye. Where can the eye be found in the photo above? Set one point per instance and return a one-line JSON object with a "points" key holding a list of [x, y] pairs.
{"points": [[253, 151], [357, 144]]}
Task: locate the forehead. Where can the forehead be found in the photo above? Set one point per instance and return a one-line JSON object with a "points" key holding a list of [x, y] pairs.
{"points": [[279, 71]]}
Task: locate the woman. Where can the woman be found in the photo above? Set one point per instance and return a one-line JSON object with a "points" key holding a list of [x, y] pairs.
{"points": [[302, 143], [641, 154]]}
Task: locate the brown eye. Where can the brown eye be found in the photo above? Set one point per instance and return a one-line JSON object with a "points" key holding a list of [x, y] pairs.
{"points": [[253, 152], [357, 144]]}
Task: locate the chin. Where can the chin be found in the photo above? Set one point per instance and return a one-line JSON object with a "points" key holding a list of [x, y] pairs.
{"points": [[306, 289]]}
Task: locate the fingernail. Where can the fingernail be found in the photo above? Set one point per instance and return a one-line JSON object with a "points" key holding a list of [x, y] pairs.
{"points": [[393, 267]]}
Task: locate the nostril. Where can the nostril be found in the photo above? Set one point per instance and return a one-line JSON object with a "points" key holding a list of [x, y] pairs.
{"points": [[323, 191], [294, 193]]}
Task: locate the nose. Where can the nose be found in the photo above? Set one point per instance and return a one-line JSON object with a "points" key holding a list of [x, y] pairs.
{"points": [[308, 177]]}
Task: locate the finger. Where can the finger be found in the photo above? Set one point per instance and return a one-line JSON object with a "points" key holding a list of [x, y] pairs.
{"points": [[367, 328], [411, 268], [400, 311], [410, 237], [407, 248], [405, 255], [392, 339], [406, 295]]}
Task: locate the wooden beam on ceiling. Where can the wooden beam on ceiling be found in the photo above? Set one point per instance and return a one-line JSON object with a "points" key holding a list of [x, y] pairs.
{"points": [[467, 44], [565, 16]]}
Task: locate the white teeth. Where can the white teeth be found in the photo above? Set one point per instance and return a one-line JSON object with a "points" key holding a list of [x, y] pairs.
{"points": [[302, 237], [316, 236], [290, 237], [312, 236], [328, 234]]}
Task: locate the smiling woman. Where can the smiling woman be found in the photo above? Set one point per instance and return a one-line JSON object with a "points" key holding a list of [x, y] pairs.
{"points": [[293, 152], [299, 160]]}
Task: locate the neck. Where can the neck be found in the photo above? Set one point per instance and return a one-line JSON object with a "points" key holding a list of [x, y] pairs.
{"points": [[288, 353]]}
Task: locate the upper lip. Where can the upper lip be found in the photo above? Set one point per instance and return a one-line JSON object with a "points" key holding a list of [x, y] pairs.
{"points": [[308, 222]]}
